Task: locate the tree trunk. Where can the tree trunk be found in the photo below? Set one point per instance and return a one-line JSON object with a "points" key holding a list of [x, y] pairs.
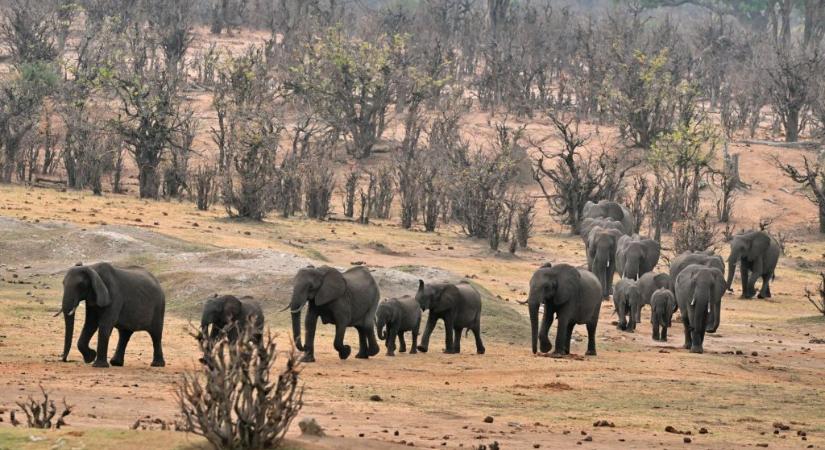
{"points": [[149, 182], [792, 125]]}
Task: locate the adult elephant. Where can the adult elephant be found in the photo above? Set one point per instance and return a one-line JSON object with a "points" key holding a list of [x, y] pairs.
{"points": [[601, 256], [648, 284], [611, 210], [229, 314], [636, 256], [757, 253], [588, 224], [706, 258], [127, 298], [458, 305], [699, 291], [572, 296], [346, 299]]}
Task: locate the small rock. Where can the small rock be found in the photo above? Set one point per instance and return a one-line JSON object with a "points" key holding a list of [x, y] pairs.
{"points": [[687, 440], [754, 353], [781, 426], [488, 419], [703, 430], [588, 439], [376, 398]]}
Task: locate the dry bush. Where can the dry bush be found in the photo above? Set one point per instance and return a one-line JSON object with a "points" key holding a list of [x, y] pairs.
{"points": [[232, 399], [42, 414], [819, 302], [205, 186], [694, 234]]}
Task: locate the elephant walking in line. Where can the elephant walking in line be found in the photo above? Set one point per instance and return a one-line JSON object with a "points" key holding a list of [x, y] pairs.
{"points": [[573, 296], [706, 258], [662, 307], [601, 256], [757, 253], [346, 300], [627, 299], [610, 210], [699, 291], [228, 314], [648, 284], [458, 305], [398, 315], [129, 299], [636, 256]]}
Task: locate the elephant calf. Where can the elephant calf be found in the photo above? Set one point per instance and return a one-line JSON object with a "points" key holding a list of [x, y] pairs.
{"points": [[398, 315], [228, 314], [458, 305], [628, 302], [662, 305]]}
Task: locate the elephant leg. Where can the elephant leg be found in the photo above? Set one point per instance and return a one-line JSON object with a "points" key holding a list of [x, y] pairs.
{"points": [[768, 285], [89, 330], [310, 322], [103, 333], [765, 290], [157, 348], [122, 342], [391, 333], [591, 338], [746, 293], [544, 332], [372, 342], [414, 346], [479, 345], [343, 350], [664, 333], [570, 327], [448, 335], [655, 323], [686, 324], [457, 340], [560, 336], [402, 344], [428, 330], [362, 344]]}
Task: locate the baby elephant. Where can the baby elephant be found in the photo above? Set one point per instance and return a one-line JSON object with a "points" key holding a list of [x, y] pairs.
{"points": [[226, 313], [398, 315], [662, 305]]}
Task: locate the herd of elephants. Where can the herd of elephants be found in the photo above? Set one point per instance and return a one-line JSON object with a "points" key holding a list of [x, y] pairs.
{"points": [[131, 299]]}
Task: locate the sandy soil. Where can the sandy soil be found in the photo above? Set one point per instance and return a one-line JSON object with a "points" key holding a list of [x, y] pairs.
{"points": [[431, 400]]}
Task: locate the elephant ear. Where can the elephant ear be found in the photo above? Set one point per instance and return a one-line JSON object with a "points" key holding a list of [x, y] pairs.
{"points": [[721, 284], [231, 309], [445, 297], [568, 285], [101, 290], [332, 286], [759, 245]]}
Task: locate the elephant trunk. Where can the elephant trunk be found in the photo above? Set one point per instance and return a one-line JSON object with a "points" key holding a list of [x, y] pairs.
{"points": [[67, 338], [731, 271], [379, 325], [534, 325], [715, 313], [299, 299], [296, 330]]}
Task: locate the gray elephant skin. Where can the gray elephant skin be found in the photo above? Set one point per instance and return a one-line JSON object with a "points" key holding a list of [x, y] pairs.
{"points": [[627, 299], [649, 283], [662, 307], [572, 296], [610, 210], [757, 254], [129, 299], [636, 256], [601, 256], [458, 305], [699, 291], [396, 316], [229, 314], [706, 258], [346, 299]]}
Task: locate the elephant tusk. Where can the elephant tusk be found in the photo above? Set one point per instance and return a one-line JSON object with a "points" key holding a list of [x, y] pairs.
{"points": [[71, 313], [284, 309], [58, 312], [521, 302], [693, 301]]}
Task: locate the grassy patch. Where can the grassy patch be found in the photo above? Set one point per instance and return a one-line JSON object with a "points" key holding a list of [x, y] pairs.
{"points": [[500, 322], [311, 253]]}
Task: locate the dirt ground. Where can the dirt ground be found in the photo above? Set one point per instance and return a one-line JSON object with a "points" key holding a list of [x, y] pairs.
{"points": [[764, 366]]}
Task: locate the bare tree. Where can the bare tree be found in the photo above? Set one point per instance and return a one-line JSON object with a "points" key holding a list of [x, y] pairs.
{"points": [[42, 414], [811, 176], [570, 177]]}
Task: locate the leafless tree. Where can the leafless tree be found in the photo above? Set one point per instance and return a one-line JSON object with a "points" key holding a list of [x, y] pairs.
{"points": [[819, 302], [571, 176], [697, 233], [205, 186], [811, 176], [42, 414]]}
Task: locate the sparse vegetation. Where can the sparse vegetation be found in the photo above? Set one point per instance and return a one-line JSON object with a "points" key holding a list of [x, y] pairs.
{"points": [[817, 299], [233, 400], [42, 414]]}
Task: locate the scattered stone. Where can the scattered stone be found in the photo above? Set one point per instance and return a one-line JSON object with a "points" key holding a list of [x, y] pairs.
{"points": [[488, 419], [310, 427], [588, 439], [703, 430], [762, 445], [754, 353], [781, 426], [536, 445], [396, 433], [687, 440], [603, 423], [376, 398]]}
